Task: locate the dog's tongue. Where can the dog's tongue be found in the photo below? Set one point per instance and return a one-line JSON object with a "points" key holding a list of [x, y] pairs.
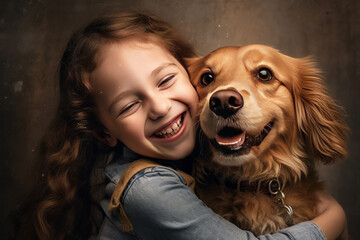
{"points": [[231, 142]]}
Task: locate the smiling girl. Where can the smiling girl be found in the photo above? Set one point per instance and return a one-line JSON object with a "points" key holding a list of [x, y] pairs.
{"points": [[125, 94], [144, 99]]}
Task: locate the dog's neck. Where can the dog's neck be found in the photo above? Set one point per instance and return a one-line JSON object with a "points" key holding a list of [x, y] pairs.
{"points": [[261, 186], [272, 187]]}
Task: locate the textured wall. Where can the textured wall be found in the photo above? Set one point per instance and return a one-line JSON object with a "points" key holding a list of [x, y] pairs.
{"points": [[34, 33]]}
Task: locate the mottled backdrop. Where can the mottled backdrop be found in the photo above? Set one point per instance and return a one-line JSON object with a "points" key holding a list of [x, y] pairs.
{"points": [[33, 35]]}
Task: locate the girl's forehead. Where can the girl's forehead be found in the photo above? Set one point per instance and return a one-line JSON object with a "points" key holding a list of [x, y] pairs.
{"points": [[132, 43], [127, 59], [120, 48], [124, 44]]}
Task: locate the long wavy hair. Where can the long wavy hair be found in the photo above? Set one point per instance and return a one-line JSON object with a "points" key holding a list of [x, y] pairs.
{"points": [[61, 205]]}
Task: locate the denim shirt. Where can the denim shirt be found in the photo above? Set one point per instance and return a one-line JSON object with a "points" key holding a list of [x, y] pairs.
{"points": [[160, 206]]}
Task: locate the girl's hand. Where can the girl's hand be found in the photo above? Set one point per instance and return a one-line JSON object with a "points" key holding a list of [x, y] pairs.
{"points": [[331, 218]]}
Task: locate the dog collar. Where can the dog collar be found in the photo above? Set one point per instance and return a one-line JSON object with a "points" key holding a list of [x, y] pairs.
{"points": [[272, 187], [265, 187]]}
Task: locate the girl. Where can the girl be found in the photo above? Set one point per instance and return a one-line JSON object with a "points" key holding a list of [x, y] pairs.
{"points": [[125, 93]]}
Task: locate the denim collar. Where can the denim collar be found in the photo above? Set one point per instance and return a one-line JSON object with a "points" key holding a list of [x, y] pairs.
{"points": [[122, 157], [119, 160]]}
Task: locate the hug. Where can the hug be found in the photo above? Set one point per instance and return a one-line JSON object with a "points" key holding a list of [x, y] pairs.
{"points": [[216, 147]]}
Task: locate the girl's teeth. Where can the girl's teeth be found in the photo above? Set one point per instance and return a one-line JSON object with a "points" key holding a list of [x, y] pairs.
{"points": [[170, 131]]}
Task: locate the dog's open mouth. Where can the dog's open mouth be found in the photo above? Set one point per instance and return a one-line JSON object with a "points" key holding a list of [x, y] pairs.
{"points": [[230, 140]]}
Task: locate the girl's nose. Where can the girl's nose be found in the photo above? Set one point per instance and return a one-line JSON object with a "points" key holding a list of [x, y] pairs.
{"points": [[159, 106]]}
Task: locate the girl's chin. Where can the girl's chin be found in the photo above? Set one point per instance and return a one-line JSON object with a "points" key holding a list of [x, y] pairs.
{"points": [[182, 152]]}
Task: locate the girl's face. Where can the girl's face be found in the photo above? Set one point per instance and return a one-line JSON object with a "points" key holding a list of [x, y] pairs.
{"points": [[144, 99]]}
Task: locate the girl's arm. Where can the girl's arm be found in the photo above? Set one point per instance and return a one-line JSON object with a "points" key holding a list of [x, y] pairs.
{"points": [[332, 219], [160, 206]]}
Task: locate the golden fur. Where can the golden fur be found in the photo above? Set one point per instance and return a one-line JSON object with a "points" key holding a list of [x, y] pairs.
{"points": [[307, 127]]}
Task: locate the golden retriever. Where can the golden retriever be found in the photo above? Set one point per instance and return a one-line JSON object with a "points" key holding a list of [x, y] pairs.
{"points": [[265, 120]]}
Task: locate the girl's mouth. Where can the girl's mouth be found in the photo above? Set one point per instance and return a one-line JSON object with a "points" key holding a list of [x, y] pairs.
{"points": [[171, 129]]}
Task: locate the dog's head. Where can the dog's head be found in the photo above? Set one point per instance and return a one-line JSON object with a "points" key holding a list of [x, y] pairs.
{"points": [[263, 110]]}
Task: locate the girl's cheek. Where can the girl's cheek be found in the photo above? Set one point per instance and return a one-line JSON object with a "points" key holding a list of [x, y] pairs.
{"points": [[136, 122]]}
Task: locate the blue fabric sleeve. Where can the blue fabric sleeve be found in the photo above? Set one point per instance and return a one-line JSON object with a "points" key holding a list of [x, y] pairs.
{"points": [[161, 206]]}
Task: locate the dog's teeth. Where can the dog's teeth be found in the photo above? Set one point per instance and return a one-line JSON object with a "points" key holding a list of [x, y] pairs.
{"points": [[232, 143]]}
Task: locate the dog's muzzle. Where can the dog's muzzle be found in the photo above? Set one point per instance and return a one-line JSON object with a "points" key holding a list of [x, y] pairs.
{"points": [[230, 139]]}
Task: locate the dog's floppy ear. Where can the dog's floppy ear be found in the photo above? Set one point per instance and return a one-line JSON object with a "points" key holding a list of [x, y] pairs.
{"points": [[192, 65], [190, 61], [319, 119]]}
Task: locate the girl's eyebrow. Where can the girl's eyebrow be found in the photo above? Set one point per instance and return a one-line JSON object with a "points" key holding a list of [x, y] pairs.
{"points": [[116, 99], [161, 67]]}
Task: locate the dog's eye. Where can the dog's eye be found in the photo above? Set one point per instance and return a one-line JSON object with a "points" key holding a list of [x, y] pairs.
{"points": [[264, 74], [207, 78]]}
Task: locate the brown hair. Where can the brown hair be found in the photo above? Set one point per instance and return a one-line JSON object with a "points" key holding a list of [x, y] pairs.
{"points": [[60, 206]]}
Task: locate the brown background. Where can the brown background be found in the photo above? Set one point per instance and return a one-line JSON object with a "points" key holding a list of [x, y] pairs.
{"points": [[33, 35]]}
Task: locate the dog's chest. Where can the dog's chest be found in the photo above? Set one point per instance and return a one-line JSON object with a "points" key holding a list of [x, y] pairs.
{"points": [[255, 211]]}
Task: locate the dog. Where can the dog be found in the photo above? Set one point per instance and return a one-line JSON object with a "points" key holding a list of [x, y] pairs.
{"points": [[265, 121]]}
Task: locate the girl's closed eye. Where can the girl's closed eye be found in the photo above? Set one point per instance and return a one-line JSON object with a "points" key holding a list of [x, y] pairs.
{"points": [[167, 82], [129, 109]]}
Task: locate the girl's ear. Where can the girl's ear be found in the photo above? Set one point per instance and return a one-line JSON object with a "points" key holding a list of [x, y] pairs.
{"points": [[105, 137], [319, 119]]}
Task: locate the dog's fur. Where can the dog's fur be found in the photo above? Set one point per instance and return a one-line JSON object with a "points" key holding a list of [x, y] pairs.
{"points": [[307, 127]]}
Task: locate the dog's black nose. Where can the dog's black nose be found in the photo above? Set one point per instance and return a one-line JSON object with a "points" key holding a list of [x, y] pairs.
{"points": [[226, 102]]}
